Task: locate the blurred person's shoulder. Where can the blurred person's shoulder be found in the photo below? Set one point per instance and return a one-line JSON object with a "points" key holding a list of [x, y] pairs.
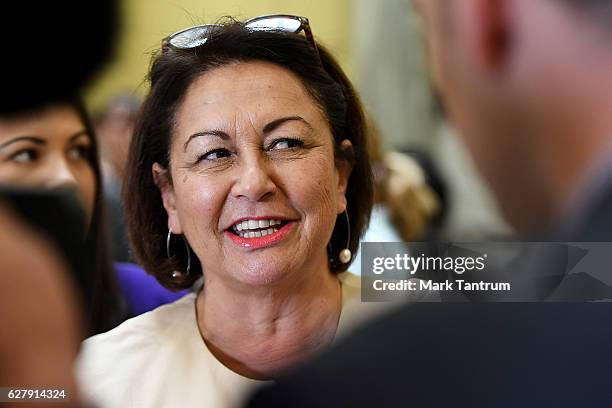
{"points": [[41, 325], [588, 215], [357, 312]]}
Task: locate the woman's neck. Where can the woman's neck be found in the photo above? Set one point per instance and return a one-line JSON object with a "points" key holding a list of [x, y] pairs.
{"points": [[259, 333]]}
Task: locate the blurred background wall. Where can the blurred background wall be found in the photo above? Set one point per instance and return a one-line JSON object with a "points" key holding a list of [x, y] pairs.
{"points": [[379, 45]]}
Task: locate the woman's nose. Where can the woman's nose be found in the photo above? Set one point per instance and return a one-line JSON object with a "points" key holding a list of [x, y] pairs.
{"points": [[59, 175], [254, 180]]}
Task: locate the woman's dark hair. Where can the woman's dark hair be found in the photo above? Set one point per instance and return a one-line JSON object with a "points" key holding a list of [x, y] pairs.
{"points": [[103, 308], [171, 74]]}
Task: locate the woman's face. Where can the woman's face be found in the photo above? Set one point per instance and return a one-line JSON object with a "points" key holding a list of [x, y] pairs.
{"points": [[48, 148], [255, 188]]}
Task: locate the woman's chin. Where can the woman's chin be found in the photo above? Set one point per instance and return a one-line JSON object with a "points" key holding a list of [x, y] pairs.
{"points": [[261, 273]]}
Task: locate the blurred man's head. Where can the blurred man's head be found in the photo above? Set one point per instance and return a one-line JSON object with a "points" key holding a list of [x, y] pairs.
{"points": [[51, 49], [528, 85]]}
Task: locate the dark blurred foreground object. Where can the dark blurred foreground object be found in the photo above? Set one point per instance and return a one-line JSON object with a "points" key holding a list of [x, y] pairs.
{"points": [[52, 48], [528, 84], [56, 215], [40, 332], [50, 51], [462, 355]]}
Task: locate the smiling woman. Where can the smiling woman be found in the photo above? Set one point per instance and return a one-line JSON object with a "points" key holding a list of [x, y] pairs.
{"points": [[250, 148]]}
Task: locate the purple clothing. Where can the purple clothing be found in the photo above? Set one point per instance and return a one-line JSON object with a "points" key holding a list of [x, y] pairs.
{"points": [[141, 291]]}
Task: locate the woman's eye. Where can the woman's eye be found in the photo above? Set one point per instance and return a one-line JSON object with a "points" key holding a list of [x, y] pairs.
{"points": [[78, 152], [216, 154], [25, 156], [285, 143]]}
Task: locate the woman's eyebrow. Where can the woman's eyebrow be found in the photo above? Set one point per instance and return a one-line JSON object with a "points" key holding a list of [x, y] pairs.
{"points": [[277, 122], [77, 135], [32, 139], [218, 133], [269, 127]]}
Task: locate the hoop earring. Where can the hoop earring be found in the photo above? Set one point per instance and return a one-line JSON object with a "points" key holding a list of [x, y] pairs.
{"points": [[346, 255], [176, 274]]}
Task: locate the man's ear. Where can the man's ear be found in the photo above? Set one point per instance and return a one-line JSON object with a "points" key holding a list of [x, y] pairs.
{"points": [[491, 27], [162, 181], [344, 168]]}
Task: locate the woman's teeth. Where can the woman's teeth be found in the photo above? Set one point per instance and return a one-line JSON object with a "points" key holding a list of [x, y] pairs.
{"points": [[257, 234], [256, 228]]}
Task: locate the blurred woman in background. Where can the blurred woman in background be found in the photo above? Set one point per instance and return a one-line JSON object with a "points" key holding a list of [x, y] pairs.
{"points": [[53, 147], [404, 193]]}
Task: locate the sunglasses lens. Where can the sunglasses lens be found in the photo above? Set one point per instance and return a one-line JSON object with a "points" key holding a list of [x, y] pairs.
{"points": [[275, 23], [192, 37]]}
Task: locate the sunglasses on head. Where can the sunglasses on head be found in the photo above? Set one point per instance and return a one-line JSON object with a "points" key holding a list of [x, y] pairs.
{"points": [[194, 36]]}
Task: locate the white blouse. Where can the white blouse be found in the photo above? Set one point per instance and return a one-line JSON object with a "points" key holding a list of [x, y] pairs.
{"points": [[158, 359]]}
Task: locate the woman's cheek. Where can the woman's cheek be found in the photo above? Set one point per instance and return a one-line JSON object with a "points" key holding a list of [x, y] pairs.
{"points": [[200, 204], [12, 174], [318, 198]]}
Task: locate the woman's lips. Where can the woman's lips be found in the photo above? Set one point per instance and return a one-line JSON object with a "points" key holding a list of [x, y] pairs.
{"points": [[260, 242]]}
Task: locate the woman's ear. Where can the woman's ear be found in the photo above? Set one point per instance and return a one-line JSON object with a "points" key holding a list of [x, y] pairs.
{"points": [[344, 168], [162, 181]]}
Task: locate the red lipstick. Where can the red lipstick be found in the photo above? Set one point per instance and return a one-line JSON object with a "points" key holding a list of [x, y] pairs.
{"points": [[260, 242]]}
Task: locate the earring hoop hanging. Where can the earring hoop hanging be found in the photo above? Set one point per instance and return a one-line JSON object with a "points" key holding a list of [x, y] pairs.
{"points": [[176, 274]]}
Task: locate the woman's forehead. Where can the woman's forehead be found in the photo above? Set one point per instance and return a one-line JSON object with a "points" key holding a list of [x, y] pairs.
{"points": [[259, 91]]}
